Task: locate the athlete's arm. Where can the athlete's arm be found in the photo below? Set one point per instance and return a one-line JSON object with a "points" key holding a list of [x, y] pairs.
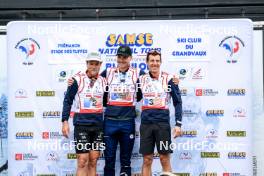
{"points": [[177, 103], [67, 103]]}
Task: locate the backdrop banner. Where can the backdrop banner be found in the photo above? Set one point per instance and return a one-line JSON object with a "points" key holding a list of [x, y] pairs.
{"points": [[212, 59]]}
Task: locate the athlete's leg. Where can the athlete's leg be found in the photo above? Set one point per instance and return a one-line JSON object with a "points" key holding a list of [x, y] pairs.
{"points": [[147, 163], [93, 157], [110, 140], [82, 164], [126, 140]]}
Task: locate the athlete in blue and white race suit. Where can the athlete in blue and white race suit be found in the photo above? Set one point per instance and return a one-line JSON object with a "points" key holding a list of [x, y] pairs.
{"points": [[120, 113]]}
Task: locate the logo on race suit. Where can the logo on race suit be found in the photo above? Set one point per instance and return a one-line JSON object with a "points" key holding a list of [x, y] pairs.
{"points": [[233, 47], [20, 93], [239, 112], [28, 49]]}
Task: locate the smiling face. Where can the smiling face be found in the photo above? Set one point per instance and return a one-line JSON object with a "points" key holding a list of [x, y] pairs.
{"points": [[154, 62], [123, 62], [93, 68]]}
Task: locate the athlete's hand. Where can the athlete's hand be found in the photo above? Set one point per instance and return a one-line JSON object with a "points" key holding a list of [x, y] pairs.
{"points": [[175, 80], [176, 132], [65, 129], [70, 81]]}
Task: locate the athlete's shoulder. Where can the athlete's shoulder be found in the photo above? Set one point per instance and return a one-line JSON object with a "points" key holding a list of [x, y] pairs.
{"points": [[167, 75], [144, 75], [79, 74]]}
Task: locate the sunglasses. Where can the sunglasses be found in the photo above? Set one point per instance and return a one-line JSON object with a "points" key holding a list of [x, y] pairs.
{"points": [[155, 52]]}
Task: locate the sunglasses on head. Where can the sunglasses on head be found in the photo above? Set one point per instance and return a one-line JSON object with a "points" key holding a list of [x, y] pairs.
{"points": [[155, 52]]}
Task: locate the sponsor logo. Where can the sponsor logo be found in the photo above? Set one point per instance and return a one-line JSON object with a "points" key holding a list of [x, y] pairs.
{"points": [[188, 113], [210, 155], [51, 135], [156, 155], [183, 73], [239, 112], [212, 134], [24, 114], [232, 174], [183, 92], [62, 75], [232, 46], [182, 174], [51, 114], [142, 39], [236, 133], [24, 135], [28, 49], [52, 156], [205, 92], [208, 174], [71, 156], [136, 156], [20, 93], [25, 156], [189, 134], [19, 156], [185, 156], [45, 93], [236, 92], [198, 74], [215, 112], [237, 155]]}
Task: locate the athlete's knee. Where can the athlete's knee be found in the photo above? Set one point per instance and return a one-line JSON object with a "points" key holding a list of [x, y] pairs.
{"points": [[148, 159], [165, 159], [92, 162], [82, 162]]}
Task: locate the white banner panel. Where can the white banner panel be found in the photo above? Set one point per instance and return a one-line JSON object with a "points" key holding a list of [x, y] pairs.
{"points": [[211, 57]]}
